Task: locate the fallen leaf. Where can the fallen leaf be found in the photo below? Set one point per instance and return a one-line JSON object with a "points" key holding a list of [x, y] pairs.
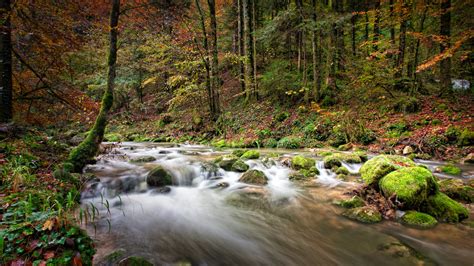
{"points": [[48, 225], [48, 255]]}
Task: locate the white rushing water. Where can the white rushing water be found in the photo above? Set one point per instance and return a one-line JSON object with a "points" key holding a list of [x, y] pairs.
{"points": [[208, 217]]}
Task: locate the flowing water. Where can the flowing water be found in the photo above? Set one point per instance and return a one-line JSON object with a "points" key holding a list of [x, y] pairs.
{"points": [[209, 218]]}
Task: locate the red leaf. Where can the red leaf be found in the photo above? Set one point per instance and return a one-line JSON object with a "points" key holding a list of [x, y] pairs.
{"points": [[48, 255]]}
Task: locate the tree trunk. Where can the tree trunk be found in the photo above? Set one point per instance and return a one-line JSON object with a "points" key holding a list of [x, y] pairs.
{"points": [[402, 42], [6, 85], [240, 25], [205, 43], [445, 31], [215, 83], [392, 28], [376, 37], [87, 150], [247, 8], [254, 49], [340, 44], [354, 18], [366, 35], [418, 42], [315, 51]]}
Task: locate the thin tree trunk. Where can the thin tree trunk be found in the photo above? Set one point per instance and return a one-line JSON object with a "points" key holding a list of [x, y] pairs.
{"points": [[205, 44], [354, 18], [215, 61], [88, 149], [402, 42], [254, 49], [376, 37], [418, 42], [445, 31], [248, 49], [366, 35], [241, 45], [314, 43], [392, 27], [6, 80]]}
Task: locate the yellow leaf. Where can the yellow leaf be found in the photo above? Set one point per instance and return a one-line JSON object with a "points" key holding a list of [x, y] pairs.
{"points": [[48, 225]]}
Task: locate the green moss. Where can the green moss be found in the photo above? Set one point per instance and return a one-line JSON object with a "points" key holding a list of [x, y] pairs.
{"points": [[345, 147], [362, 155], [456, 189], [297, 176], [407, 105], [311, 172], [419, 219], [364, 214], [299, 162], [376, 168], [239, 166], [342, 177], [342, 171], [252, 154], [411, 185], [331, 161], [451, 169], [159, 177], [238, 152], [219, 144], [255, 177], [354, 202], [289, 143], [444, 208], [466, 138], [134, 261], [270, 143], [226, 162]]}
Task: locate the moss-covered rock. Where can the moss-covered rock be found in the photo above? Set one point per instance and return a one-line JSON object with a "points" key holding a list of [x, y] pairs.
{"points": [[143, 159], [226, 162], [255, 177], [450, 169], [342, 177], [411, 185], [354, 202], [342, 170], [299, 162], [297, 176], [238, 152], [311, 172], [336, 159], [159, 177], [444, 208], [466, 138], [418, 219], [239, 166], [364, 214], [252, 154], [362, 155], [345, 147], [376, 168], [134, 261], [456, 189]]}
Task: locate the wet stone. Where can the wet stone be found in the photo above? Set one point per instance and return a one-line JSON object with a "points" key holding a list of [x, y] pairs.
{"points": [[161, 190]]}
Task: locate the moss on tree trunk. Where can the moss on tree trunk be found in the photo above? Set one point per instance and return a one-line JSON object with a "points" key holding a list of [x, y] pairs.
{"points": [[87, 150]]}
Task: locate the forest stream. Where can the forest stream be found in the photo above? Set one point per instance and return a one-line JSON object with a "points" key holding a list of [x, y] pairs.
{"points": [[210, 218]]}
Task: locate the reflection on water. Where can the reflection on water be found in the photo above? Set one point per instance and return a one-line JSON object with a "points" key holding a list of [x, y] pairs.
{"points": [[279, 224]]}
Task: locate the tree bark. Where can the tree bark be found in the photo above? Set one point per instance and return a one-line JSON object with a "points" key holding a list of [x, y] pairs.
{"points": [[240, 25], [376, 37], [445, 31], [88, 149], [6, 83], [402, 41], [315, 51], [248, 31], [215, 60], [205, 44]]}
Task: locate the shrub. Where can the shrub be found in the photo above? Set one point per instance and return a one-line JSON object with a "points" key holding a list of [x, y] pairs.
{"points": [[280, 117], [407, 105], [270, 143], [289, 143]]}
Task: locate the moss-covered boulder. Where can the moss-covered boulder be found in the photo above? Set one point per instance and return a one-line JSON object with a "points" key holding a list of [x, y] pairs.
{"points": [[134, 261], [456, 189], [226, 162], [311, 172], [342, 170], [239, 166], [252, 154], [342, 177], [297, 176], [159, 177], [354, 202], [450, 169], [336, 159], [366, 214], [444, 208], [362, 155], [331, 161], [143, 159], [418, 219], [376, 168], [411, 185], [299, 162], [238, 152], [254, 177]]}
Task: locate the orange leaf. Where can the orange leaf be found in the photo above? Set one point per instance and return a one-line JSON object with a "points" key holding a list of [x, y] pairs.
{"points": [[48, 225]]}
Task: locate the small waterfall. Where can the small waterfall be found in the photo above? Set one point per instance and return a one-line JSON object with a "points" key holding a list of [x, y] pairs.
{"points": [[326, 176], [353, 168]]}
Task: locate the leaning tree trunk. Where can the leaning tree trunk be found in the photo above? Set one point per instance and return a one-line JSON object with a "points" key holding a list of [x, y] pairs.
{"points": [[6, 109], [88, 149], [445, 31], [214, 60]]}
